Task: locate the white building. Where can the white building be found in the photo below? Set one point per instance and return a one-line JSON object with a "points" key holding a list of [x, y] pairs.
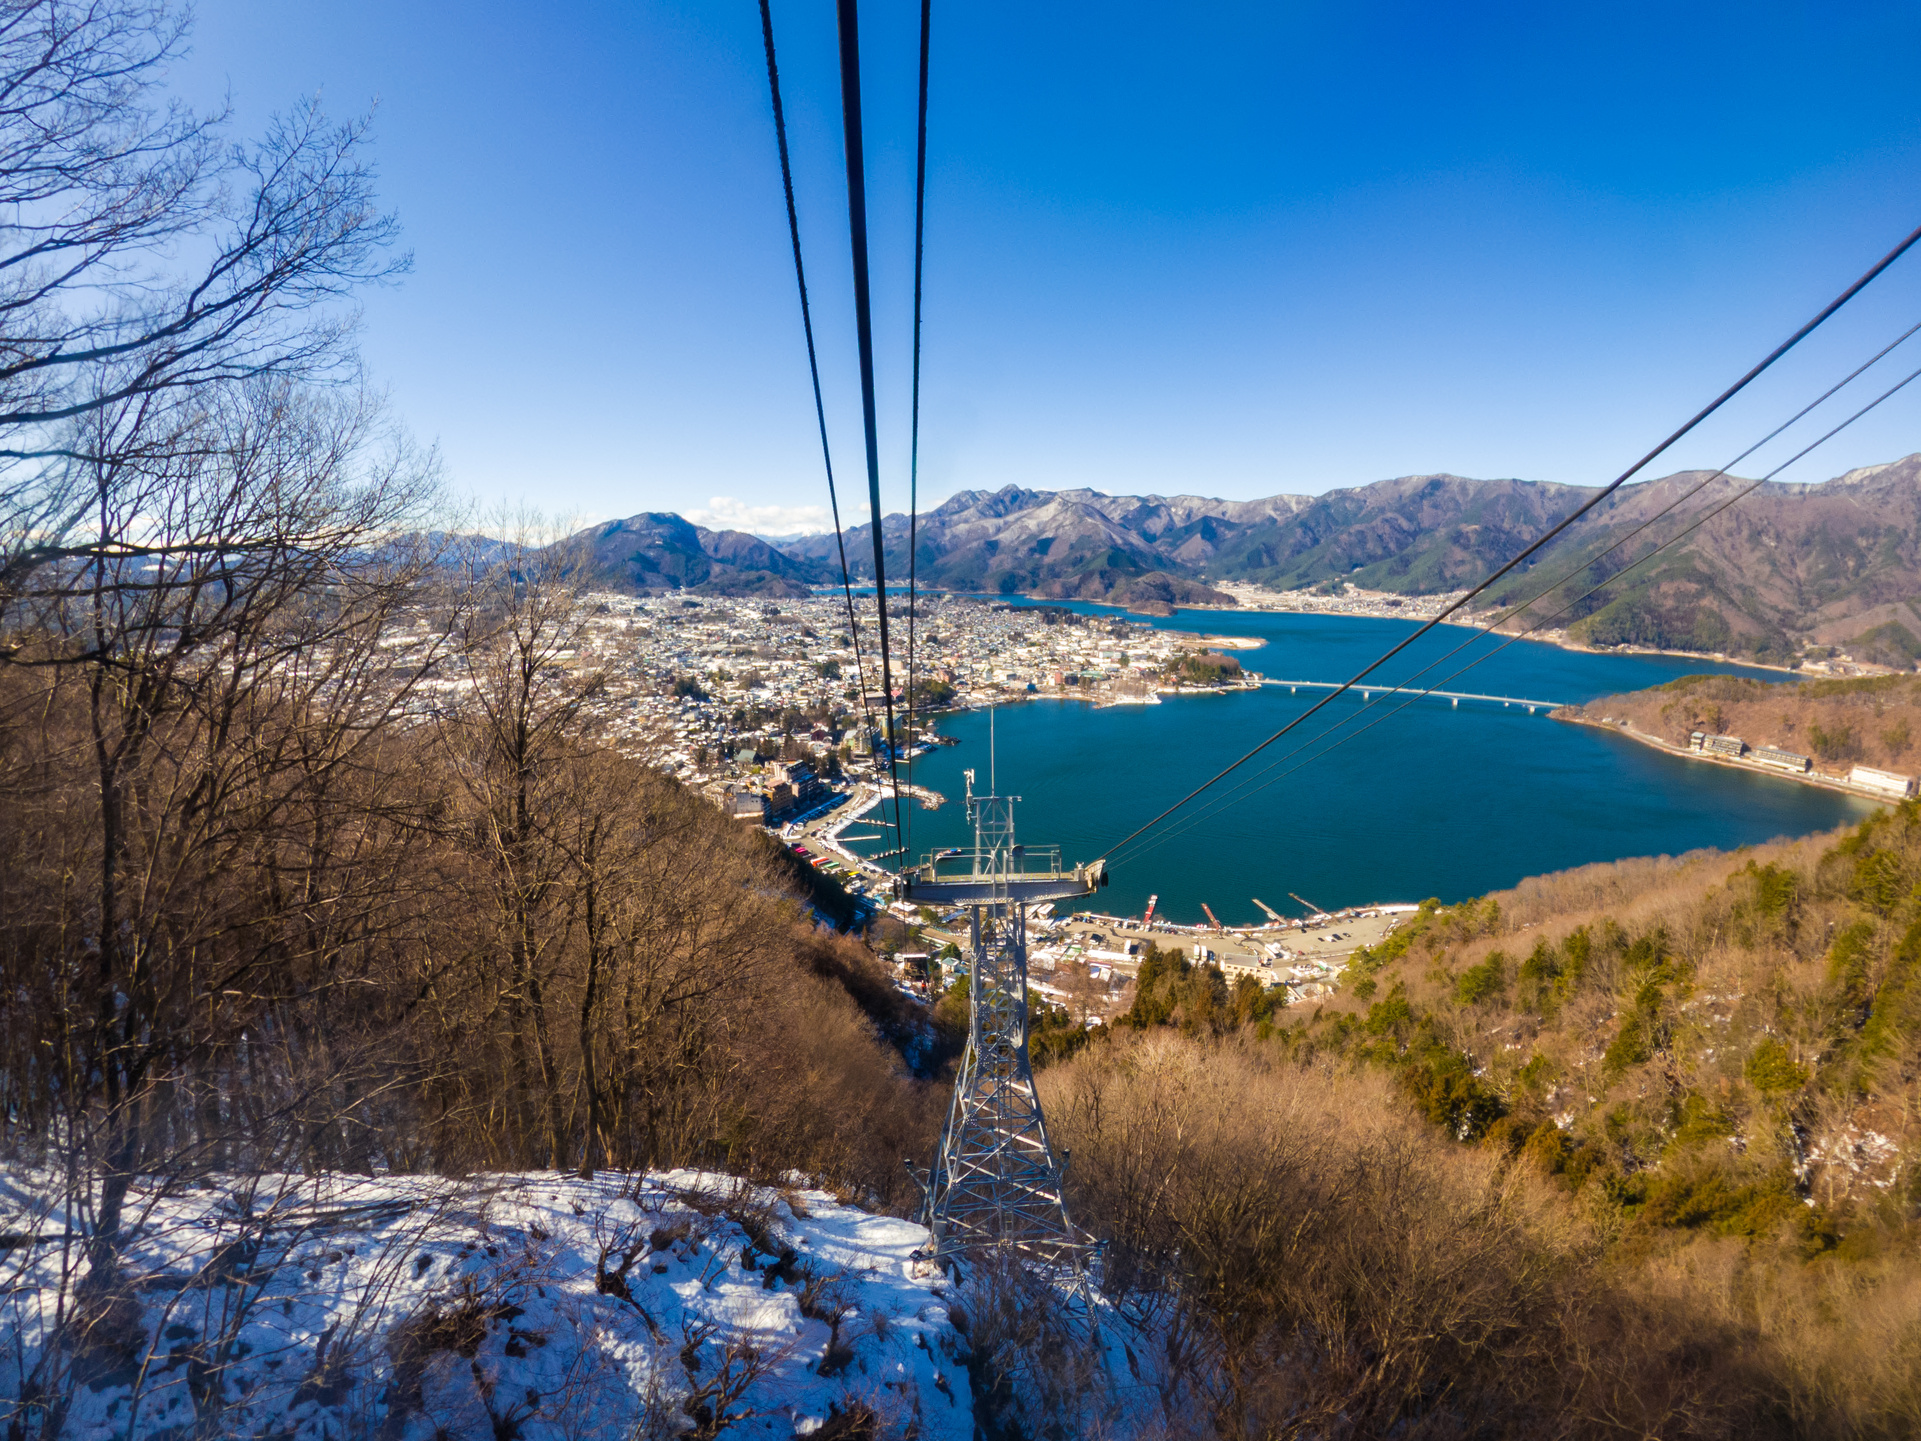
{"points": [[1882, 783]]}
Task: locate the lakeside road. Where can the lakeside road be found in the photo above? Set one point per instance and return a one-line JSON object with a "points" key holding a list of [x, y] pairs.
{"points": [[1806, 778]]}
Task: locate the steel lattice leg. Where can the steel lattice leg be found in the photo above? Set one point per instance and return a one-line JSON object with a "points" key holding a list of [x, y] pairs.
{"points": [[996, 1181]]}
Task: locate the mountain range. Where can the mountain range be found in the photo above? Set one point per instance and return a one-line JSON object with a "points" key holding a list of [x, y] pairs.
{"points": [[1788, 565], [657, 551]]}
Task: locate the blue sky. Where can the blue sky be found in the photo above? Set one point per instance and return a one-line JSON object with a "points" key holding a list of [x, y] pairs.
{"points": [[1228, 249]]}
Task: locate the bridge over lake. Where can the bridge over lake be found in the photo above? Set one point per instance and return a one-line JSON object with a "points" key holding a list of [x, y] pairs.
{"points": [[1368, 692]]}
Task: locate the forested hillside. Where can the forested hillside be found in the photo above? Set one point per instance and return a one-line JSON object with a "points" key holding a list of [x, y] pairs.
{"points": [[479, 937], [314, 861], [1760, 571], [318, 865], [1864, 720], [1629, 1150]]}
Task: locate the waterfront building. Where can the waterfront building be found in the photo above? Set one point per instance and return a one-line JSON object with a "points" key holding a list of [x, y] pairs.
{"points": [[1714, 745], [1778, 759], [1892, 784], [792, 785], [800, 775]]}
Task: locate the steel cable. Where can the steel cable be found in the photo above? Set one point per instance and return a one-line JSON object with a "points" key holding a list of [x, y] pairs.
{"points": [[1390, 690], [848, 13], [813, 362], [913, 445], [1701, 415]]}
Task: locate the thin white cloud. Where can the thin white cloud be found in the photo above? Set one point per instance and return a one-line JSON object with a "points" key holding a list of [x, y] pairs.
{"points": [[723, 512]]}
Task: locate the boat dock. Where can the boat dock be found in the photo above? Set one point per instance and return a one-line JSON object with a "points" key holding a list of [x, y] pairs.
{"points": [[1305, 956]]}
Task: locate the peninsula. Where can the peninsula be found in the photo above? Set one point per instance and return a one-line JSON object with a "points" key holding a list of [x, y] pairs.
{"points": [[1855, 734]]}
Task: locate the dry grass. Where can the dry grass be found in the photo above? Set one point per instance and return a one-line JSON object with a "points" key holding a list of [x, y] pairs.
{"points": [[1343, 1270], [1624, 1151]]}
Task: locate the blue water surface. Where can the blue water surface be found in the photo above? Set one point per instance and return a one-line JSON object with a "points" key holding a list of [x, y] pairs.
{"points": [[1433, 800]]}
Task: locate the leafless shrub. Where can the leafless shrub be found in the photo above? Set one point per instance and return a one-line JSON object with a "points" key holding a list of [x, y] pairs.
{"points": [[1338, 1266], [719, 1377], [824, 1296], [1034, 1359]]}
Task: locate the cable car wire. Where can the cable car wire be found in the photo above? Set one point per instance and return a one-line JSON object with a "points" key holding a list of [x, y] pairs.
{"points": [[848, 13], [1250, 786], [913, 445], [813, 362], [1701, 415]]}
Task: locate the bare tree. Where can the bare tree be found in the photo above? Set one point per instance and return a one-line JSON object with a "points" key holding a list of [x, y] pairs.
{"points": [[105, 184], [201, 693], [1086, 993], [517, 733]]}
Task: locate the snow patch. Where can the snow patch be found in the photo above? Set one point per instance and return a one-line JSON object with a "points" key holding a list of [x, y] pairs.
{"points": [[537, 1306]]}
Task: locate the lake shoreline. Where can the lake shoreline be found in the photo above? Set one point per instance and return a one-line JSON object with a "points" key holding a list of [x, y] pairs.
{"points": [[1370, 609], [1556, 637], [1445, 802], [1417, 608], [1806, 778]]}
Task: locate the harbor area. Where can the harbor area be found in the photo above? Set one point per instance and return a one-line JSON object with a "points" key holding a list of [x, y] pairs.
{"points": [[1304, 956]]}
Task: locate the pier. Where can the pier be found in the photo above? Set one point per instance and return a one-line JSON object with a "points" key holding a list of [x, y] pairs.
{"points": [[1368, 692]]}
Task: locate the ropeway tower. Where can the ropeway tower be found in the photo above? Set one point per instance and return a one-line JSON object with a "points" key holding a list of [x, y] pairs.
{"points": [[996, 1180]]}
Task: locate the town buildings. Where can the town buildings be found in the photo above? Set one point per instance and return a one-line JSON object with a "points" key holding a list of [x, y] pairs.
{"points": [[1890, 784], [764, 705]]}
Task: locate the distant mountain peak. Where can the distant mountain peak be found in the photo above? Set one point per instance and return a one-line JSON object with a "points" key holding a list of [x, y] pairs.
{"points": [[1894, 472], [1835, 563]]}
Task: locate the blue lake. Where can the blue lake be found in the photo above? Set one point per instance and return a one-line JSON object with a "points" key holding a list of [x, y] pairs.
{"points": [[1434, 800]]}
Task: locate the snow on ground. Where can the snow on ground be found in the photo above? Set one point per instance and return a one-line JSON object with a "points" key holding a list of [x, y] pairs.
{"points": [[530, 1307]]}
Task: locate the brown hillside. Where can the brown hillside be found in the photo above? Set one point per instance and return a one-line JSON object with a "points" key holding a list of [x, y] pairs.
{"points": [[1624, 1152], [1766, 571], [1841, 723]]}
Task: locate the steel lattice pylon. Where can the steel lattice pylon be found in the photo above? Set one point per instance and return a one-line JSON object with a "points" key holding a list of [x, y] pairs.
{"points": [[996, 1181]]}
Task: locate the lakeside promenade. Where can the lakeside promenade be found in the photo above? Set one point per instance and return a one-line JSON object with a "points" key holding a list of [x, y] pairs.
{"points": [[1751, 767]]}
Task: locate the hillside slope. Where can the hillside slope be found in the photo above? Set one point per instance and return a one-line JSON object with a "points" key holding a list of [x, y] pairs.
{"points": [[1836, 564], [1633, 1150], [1872, 721], [1728, 1042], [537, 1307], [657, 551], [1415, 534]]}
